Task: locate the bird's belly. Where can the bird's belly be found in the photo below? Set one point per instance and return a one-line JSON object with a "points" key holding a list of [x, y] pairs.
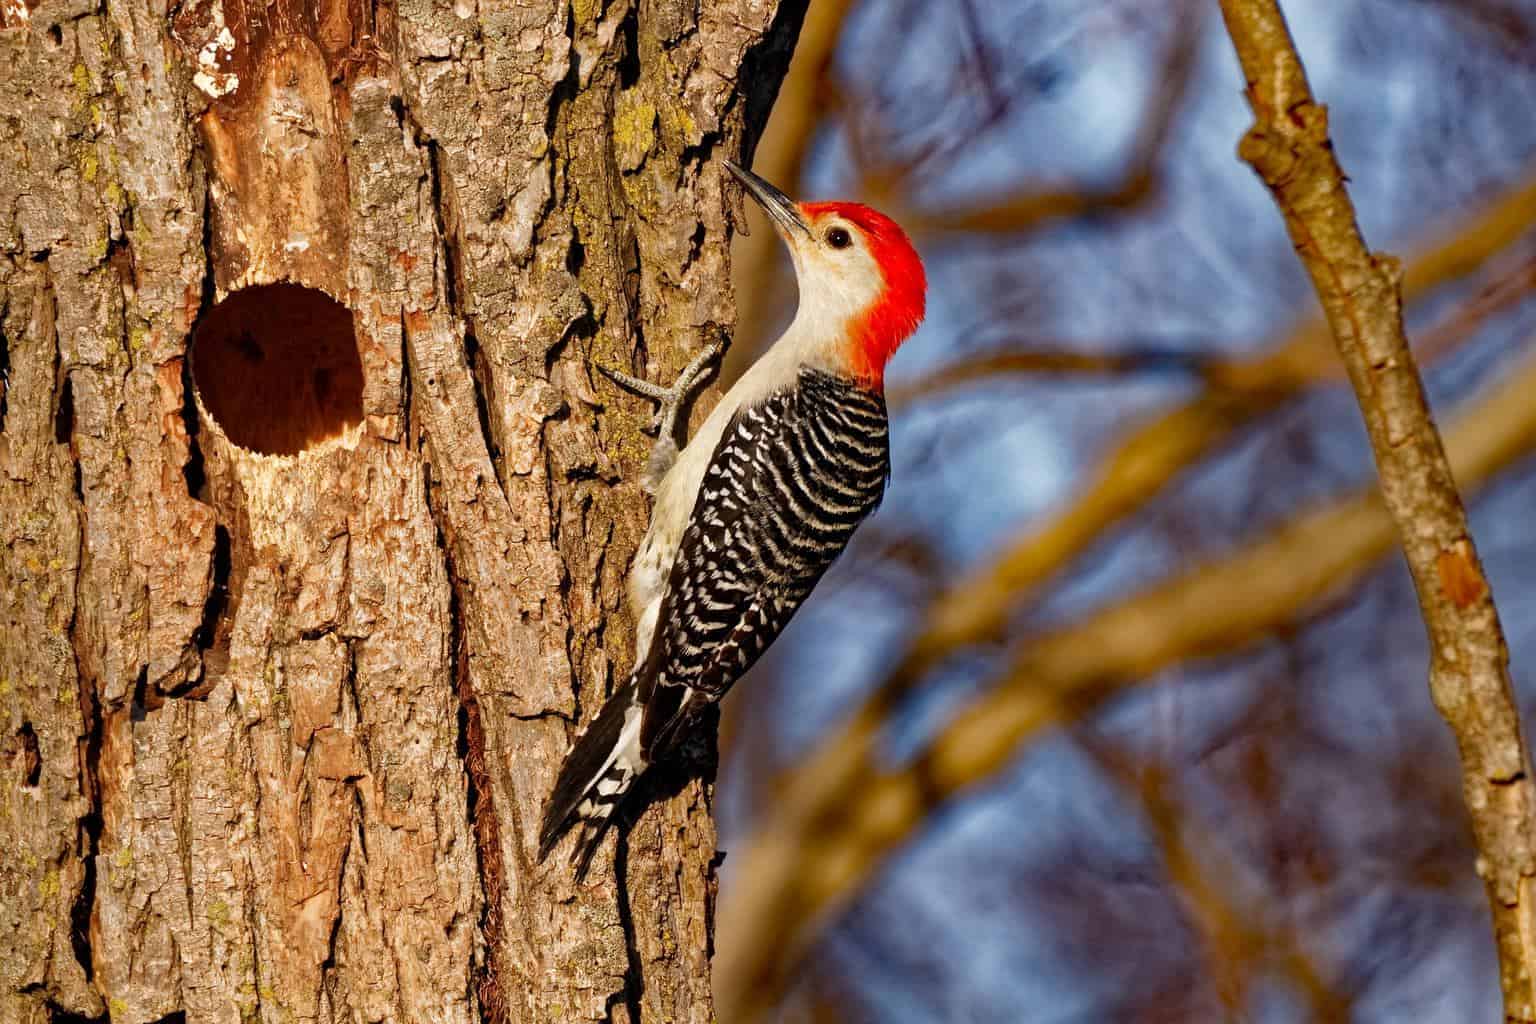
{"points": [[647, 586]]}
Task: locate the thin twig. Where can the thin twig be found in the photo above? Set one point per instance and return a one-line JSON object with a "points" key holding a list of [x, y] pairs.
{"points": [[1237, 936], [1506, 26]]}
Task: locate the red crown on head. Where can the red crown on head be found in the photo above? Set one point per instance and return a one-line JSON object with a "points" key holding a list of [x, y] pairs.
{"points": [[893, 317]]}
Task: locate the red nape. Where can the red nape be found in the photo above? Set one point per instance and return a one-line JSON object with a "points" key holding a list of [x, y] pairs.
{"points": [[898, 311]]}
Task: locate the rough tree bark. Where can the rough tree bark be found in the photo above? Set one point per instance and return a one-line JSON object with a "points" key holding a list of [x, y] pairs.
{"points": [[312, 524]]}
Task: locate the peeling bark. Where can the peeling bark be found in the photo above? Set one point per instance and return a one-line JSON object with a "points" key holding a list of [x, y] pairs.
{"points": [[302, 599]]}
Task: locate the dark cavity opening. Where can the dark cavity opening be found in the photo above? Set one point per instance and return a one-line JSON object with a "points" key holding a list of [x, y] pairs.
{"points": [[277, 368], [629, 56], [58, 1015], [27, 753]]}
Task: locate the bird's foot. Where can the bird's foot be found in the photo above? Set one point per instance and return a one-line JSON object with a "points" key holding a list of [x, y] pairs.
{"points": [[669, 403], [669, 400]]}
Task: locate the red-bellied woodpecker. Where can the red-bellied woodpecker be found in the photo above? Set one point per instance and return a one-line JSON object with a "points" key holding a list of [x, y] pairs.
{"points": [[753, 510]]}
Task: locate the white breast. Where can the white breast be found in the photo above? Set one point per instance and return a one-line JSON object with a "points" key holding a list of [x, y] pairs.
{"points": [[816, 338], [779, 367]]}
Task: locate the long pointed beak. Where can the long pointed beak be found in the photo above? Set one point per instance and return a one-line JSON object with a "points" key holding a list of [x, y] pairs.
{"points": [[776, 204]]}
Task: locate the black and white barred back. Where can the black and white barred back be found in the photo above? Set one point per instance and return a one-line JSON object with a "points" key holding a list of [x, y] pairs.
{"points": [[790, 480]]}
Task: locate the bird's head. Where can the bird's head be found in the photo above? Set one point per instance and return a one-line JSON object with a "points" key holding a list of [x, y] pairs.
{"points": [[861, 282]]}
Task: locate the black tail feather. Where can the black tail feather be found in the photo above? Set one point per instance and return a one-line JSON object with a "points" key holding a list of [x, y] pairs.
{"points": [[587, 842], [578, 777]]}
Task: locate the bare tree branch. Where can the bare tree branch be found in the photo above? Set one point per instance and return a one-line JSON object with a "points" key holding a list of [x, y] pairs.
{"points": [[1289, 148], [1047, 358], [1137, 184], [1238, 938], [1504, 289], [1502, 22], [1502, 292], [847, 809], [976, 607]]}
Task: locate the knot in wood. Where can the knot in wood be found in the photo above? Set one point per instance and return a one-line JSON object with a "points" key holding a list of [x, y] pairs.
{"points": [[1272, 155]]}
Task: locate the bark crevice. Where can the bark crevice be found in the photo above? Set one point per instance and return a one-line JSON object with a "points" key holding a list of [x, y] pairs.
{"points": [[563, 92], [217, 604], [763, 70], [480, 808], [447, 224], [90, 822], [64, 410], [445, 219], [89, 742], [5, 361], [194, 471]]}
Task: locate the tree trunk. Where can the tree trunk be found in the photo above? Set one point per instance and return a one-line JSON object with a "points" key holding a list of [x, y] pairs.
{"points": [[313, 526]]}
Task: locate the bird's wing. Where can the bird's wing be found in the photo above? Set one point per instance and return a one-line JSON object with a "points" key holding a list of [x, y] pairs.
{"points": [[789, 481]]}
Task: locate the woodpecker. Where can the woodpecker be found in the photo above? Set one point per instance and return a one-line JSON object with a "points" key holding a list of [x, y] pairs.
{"points": [[756, 507]]}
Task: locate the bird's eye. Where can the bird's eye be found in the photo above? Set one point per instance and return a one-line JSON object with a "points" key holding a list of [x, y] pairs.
{"points": [[838, 238]]}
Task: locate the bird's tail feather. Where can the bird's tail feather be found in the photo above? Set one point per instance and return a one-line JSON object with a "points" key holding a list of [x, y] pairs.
{"points": [[597, 773]]}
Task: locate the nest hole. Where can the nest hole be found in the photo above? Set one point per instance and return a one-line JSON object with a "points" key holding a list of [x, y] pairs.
{"points": [[276, 366]]}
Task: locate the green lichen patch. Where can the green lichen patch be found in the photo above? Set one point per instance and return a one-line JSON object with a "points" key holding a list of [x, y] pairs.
{"points": [[634, 129]]}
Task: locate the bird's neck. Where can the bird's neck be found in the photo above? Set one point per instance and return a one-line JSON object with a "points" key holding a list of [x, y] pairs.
{"points": [[847, 341], [876, 333]]}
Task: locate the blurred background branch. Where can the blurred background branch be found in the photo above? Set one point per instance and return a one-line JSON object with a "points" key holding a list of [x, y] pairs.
{"points": [[1129, 531], [1151, 456], [1504, 288], [1032, 207], [846, 811], [1508, 24], [1241, 939]]}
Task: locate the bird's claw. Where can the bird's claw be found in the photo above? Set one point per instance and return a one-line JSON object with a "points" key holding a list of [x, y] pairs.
{"points": [[669, 400], [645, 389]]}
